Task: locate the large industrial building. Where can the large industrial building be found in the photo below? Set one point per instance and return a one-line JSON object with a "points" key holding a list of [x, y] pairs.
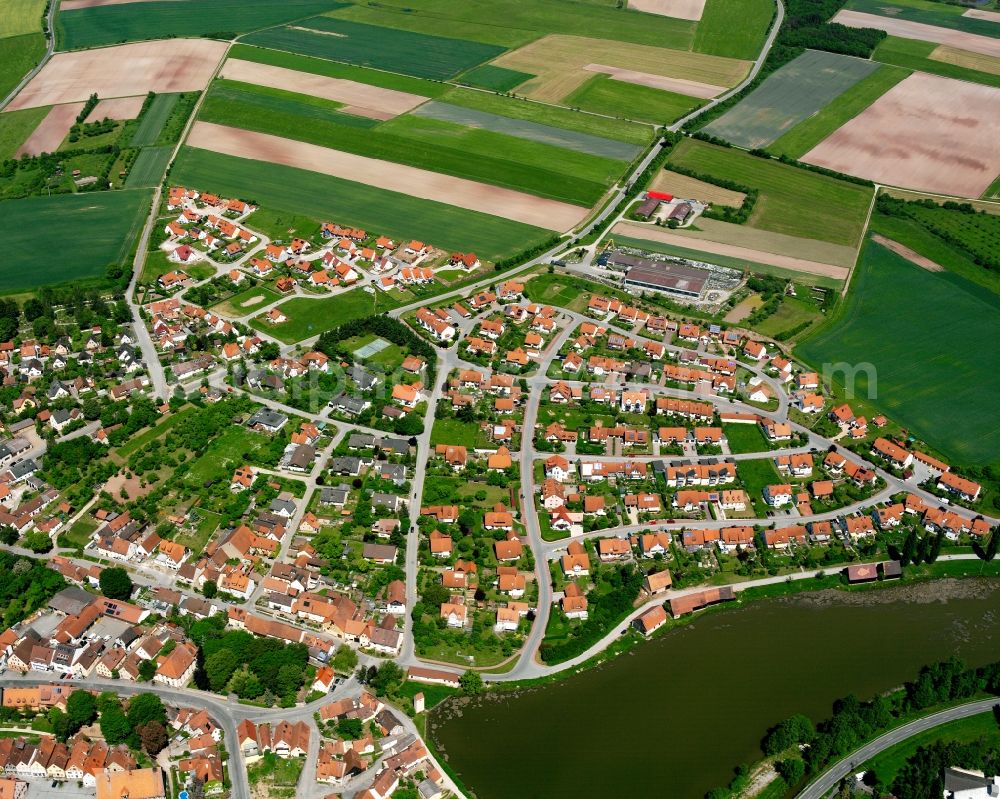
{"points": [[669, 277]]}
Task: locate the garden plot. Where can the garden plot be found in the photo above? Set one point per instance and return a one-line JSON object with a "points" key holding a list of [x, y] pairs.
{"points": [[361, 99], [131, 69], [678, 9], [533, 131], [795, 92], [51, 131], [117, 108], [560, 64], [492, 200], [908, 138], [908, 29]]}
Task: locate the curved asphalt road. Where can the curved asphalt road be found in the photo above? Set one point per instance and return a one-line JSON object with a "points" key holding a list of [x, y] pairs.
{"points": [[831, 778]]}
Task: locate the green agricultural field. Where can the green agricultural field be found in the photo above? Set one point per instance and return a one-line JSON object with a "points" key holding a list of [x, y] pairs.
{"points": [[800, 139], [326, 198], [101, 225], [915, 55], [926, 12], [795, 92], [494, 78], [553, 116], [437, 146], [16, 126], [792, 201], [603, 95], [512, 23], [734, 30], [161, 19], [18, 56], [21, 16], [308, 317], [409, 53], [149, 167], [914, 327], [336, 69], [153, 119]]}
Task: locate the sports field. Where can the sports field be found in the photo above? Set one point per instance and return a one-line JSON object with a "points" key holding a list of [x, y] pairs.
{"points": [[792, 201], [308, 317], [793, 93], [326, 198], [416, 54], [149, 167], [917, 55], [131, 22], [916, 327], [16, 127], [101, 226], [438, 146], [810, 132]]}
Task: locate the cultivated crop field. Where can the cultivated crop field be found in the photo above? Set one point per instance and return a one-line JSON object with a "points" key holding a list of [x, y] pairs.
{"points": [[605, 95], [907, 29], [693, 189], [111, 24], [494, 78], [149, 166], [921, 115], [416, 54], [927, 12], [792, 201], [102, 227], [933, 58], [16, 126], [793, 93], [915, 327], [327, 198], [18, 55]]}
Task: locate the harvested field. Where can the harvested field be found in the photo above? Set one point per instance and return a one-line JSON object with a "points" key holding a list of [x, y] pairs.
{"points": [[792, 263], [795, 92], [918, 30], [51, 131], [965, 59], [365, 100], [118, 108], [166, 66], [910, 255], [679, 85], [559, 63], [908, 138], [693, 189], [532, 131], [678, 9], [408, 180], [979, 13]]}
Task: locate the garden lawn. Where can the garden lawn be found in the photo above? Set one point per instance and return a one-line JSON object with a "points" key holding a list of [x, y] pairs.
{"points": [[745, 438], [137, 442], [754, 475], [406, 52], [326, 198], [792, 201], [132, 22], [224, 454], [914, 54], [454, 431], [198, 540], [102, 227], [16, 126], [603, 95], [917, 330], [309, 317]]}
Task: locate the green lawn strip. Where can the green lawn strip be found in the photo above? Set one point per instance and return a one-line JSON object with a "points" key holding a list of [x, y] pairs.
{"points": [[337, 69], [101, 225], [308, 317], [603, 95], [240, 305], [433, 694], [112, 24], [328, 198], [443, 147], [735, 30], [793, 201], [149, 166], [16, 126], [406, 52], [136, 443], [725, 260], [494, 78], [940, 15], [618, 129], [153, 120], [810, 132], [914, 54], [745, 438], [510, 23], [455, 431], [18, 56], [913, 328]]}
